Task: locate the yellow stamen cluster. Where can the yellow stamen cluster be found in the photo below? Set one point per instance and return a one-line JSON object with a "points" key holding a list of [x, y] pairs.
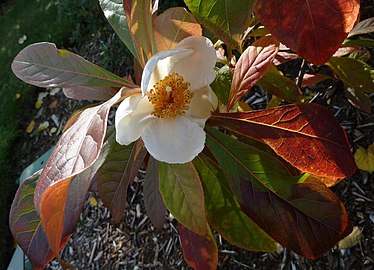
{"points": [[170, 96]]}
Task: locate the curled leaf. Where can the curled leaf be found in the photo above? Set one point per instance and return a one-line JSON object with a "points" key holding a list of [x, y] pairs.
{"points": [[365, 158], [252, 65], [352, 239]]}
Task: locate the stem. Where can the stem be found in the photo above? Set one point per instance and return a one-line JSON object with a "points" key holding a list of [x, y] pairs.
{"points": [[301, 73]]}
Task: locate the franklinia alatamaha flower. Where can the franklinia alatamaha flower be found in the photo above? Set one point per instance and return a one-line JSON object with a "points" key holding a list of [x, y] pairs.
{"points": [[175, 103]]}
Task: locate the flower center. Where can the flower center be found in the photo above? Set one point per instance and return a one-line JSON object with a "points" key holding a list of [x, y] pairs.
{"points": [[170, 96]]}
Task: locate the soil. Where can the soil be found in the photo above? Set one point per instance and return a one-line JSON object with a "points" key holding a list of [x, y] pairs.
{"points": [[97, 243]]}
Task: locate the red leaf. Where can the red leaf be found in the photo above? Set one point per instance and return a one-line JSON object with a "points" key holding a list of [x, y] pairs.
{"points": [[29, 235], [283, 57], [78, 191], [52, 207], [342, 51], [310, 79], [77, 149], [26, 224], [89, 92], [252, 64], [291, 221], [117, 173], [153, 202], [139, 20], [306, 217], [307, 136], [315, 29], [200, 252]]}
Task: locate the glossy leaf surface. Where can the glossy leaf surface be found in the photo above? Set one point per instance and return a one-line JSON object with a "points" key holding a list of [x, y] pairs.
{"points": [[315, 29], [115, 14], [307, 136], [354, 73], [52, 208], [61, 222], [89, 92], [363, 27], [172, 26], [363, 42], [26, 227], [222, 83], [280, 86], [305, 217], [153, 202], [78, 191], [43, 65], [365, 158], [228, 20], [310, 79], [359, 99], [200, 252], [252, 65], [224, 213], [139, 20], [117, 173], [183, 195], [77, 149]]}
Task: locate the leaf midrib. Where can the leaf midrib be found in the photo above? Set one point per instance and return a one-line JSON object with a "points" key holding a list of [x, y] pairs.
{"points": [[267, 188], [274, 127], [118, 81]]}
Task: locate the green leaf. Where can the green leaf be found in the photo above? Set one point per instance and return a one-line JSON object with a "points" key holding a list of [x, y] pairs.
{"points": [[306, 217], [364, 42], [224, 213], [117, 173], [183, 195], [115, 14], [363, 55], [282, 87], [365, 158], [354, 73], [228, 20], [221, 85], [43, 65], [359, 99]]}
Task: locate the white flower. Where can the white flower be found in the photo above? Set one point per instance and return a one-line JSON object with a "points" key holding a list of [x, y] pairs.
{"points": [[175, 103]]}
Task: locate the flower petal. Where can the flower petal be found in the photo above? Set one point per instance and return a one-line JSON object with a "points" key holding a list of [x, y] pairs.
{"points": [[151, 74], [132, 115], [197, 68], [173, 140], [193, 58], [203, 103]]}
